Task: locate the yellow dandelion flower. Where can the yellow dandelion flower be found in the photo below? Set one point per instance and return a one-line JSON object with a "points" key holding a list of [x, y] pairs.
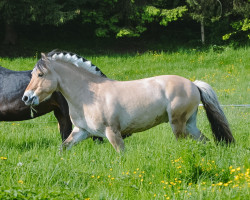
{"points": [[220, 183], [190, 184], [238, 168], [20, 181], [3, 158], [225, 184], [162, 181], [180, 171], [154, 195], [150, 183], [92, 176], [142, 180]]}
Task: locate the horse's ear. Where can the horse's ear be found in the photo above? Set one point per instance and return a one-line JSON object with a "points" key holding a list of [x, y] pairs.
{"points": [[44, 57]]}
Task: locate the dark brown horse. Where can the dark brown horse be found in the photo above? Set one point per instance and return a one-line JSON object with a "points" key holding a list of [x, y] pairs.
{"points": [[12, 108]]}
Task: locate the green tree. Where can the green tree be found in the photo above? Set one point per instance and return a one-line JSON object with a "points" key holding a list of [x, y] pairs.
{"points": [[16, 12], [130, 18], [205, 12], [240, 23]]}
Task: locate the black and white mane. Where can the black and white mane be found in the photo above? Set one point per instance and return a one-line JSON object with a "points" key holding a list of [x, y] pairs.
{"points": [[74, 59]]}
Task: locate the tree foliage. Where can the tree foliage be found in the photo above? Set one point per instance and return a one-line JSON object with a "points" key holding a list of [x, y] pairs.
{"points": [[241, 22], [128, 18]]}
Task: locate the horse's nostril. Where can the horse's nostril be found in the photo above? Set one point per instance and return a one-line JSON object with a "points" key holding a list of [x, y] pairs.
{"points": [[25, 98]]}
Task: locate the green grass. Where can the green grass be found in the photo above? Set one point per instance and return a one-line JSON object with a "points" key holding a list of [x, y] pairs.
{"points": [[154, 165]]}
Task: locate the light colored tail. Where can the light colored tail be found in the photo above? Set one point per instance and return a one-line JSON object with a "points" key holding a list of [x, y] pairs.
{"points": [[215, 115]]}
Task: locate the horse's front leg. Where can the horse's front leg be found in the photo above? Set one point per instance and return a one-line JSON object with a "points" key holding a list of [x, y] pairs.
{"points": [[75, 137], [115, 138]]}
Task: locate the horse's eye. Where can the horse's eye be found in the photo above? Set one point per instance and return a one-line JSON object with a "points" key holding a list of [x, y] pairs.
{"points": [[40, 74]]}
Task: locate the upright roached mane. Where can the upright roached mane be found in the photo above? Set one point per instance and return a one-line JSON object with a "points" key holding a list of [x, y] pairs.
{"points": [[114, 109], [72, 58]]}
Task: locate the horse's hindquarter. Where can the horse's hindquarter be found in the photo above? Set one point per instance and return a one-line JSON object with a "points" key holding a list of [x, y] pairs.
{"points": [[183, 96]]}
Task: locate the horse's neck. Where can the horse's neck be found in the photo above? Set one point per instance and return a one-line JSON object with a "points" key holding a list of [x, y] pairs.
{"points": [[73, 82]]}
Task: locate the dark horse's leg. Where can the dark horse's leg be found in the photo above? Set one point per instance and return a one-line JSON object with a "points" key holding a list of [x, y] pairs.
{"points": [[61, 113]]}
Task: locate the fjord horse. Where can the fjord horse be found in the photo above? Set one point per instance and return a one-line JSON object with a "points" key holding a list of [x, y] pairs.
{"points": [[108, 108]]}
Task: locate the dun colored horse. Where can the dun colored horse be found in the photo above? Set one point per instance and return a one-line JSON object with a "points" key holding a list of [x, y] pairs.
{"points": [[108, 108]]}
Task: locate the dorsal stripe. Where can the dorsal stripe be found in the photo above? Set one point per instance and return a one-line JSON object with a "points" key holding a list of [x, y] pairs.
{"points": [[76, 60]]}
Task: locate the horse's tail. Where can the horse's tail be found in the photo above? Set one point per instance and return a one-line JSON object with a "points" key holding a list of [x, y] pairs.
{"points": [[215, 115]]}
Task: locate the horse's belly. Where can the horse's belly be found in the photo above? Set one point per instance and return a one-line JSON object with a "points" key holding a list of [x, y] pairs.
{"points": [[142, 123]]}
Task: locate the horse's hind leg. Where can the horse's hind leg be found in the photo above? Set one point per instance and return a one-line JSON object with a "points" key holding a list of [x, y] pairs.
{"points": [[115, 139], [192, 129], [178, 127], [177, 120]]}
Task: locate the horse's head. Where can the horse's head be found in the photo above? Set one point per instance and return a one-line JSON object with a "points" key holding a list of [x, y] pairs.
{"points": [[42, 84]]}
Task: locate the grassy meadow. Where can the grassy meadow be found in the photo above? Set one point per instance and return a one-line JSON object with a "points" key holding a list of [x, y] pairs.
{"points": [[154, 165]]}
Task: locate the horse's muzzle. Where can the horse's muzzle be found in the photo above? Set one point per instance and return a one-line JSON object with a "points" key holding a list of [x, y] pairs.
{"points": [[29, 98]]}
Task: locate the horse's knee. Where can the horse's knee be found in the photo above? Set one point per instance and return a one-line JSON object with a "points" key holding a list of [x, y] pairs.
{"points": [[75, 137]]}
